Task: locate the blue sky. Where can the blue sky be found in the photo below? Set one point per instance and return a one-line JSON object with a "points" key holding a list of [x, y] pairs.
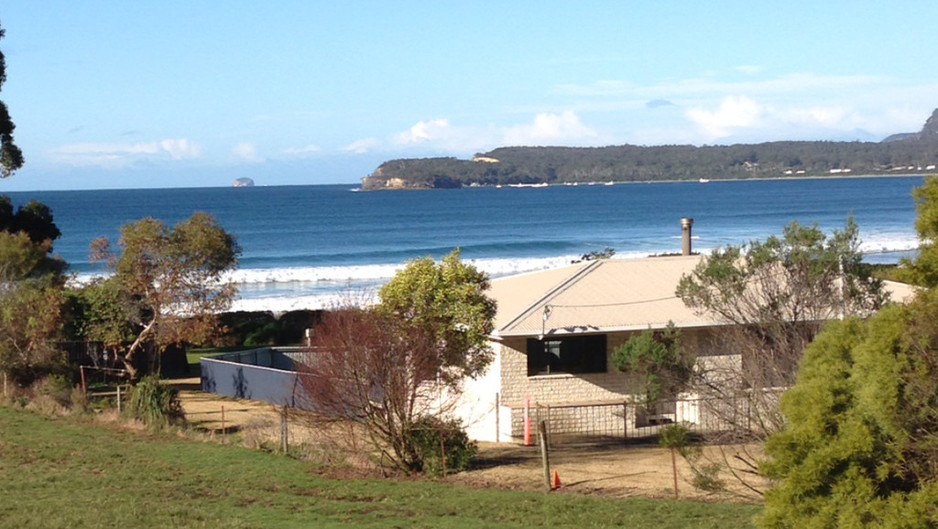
{"points": [[110, 94]]}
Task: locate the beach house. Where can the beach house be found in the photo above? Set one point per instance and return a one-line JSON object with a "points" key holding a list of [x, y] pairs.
{"points": [[555, 332]]}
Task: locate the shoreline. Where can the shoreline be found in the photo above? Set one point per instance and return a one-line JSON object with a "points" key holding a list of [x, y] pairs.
{"points": [[923, 174]]}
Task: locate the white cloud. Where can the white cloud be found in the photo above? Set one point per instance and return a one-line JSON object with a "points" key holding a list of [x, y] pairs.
{"points": [[442, 135], [181, 148], [734, 113], [302, 151], [424, 131], [564, 128], [362, 146], [115, 155], [246, 151]]}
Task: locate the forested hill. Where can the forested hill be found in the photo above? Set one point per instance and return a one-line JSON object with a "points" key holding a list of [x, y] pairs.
{"points": [[911, 153]]}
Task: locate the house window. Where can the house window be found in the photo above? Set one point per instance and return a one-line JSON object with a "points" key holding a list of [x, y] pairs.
{"points": [[573, 354]]}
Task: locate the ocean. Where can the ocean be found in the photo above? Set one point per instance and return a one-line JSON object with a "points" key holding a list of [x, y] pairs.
{"points": [[306, 246]]}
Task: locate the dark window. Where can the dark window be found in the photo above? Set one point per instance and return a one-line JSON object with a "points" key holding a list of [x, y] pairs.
{"points": [[571, 354]]}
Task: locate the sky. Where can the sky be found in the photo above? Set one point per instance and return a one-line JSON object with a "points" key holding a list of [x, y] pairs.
{"points": [[119, 94]]}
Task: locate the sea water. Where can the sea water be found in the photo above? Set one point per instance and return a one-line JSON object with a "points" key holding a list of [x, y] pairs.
{"points": [[306, 246]]}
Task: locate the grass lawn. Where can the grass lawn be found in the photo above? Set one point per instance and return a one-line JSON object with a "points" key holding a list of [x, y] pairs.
{"points": [[61, 472]]}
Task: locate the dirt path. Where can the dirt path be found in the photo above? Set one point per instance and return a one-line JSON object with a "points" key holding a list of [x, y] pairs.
{"points": [[617, 471]]}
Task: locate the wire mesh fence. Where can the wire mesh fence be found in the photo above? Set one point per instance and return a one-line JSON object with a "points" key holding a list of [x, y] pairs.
{"points": [[705, 418]]}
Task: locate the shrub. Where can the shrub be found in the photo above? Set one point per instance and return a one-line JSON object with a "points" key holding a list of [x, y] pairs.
{"points": [[157, 405], [425, 436], [707, 477], [56, 387]]}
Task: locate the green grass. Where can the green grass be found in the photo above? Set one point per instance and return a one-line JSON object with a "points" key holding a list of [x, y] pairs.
{"points": [[61, 472]]}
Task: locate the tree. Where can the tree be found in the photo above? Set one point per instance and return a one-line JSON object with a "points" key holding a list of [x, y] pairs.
{"points": [[447, 301], [860, 443], [11, 158], [662, 367], [774, 296], [395, 368], [923, 269], [30, 295], [860, 447], [173, 282]]}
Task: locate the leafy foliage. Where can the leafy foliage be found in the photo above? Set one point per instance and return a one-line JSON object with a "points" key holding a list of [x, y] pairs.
{"points": [[29, 317], [860, 445], [11, 157], [923, 270], [595, 255], [661, 366], [396, 368], [775, 294], [860, 448], [446, 301], [169, 284], [31, 295], [156, 404], [442, 446]]}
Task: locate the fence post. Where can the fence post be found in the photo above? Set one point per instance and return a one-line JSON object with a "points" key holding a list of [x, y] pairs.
{"points": [[118, 399], [625, 420], [284, 431], [545, 456], [548, 422], [497, 406]]}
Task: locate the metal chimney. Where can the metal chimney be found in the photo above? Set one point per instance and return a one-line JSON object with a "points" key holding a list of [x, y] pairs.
{"points": [[686, 223]]}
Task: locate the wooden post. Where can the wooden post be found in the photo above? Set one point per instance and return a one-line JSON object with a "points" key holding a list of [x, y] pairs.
{"points": [[497, 405], [84, 387], [674, 470], [223, 420], [118, 399], [547, 430], [545, 457], [284, 431], [625, 420], [442, 453]]}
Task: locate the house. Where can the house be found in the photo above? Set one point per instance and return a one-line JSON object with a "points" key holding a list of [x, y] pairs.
{"points": [[555, 331]]}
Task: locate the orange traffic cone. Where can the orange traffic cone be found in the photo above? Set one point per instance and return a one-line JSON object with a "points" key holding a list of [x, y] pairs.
{"points": [[555, 484]]}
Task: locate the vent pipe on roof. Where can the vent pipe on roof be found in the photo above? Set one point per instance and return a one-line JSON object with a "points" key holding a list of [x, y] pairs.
{"points": [[686, 224]]}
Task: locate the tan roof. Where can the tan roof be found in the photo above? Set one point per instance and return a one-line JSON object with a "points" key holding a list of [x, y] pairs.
{"points": [[610, 295], [899, 292], [598, 296]]}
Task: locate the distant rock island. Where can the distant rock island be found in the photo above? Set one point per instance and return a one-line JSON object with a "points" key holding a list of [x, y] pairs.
{"points": [[242, 182], [906, 153]]}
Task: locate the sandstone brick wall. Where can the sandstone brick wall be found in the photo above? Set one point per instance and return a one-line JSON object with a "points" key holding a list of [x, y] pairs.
{"points": [[559, 390]]}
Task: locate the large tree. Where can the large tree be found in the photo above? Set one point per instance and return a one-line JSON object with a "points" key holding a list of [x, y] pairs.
{"points": [[31, 297], [11, 158], [923, 268], [30, 307], [773, 298], [860, 448], [171, 282], [448, 301], [860, 443], [389, 368]]}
